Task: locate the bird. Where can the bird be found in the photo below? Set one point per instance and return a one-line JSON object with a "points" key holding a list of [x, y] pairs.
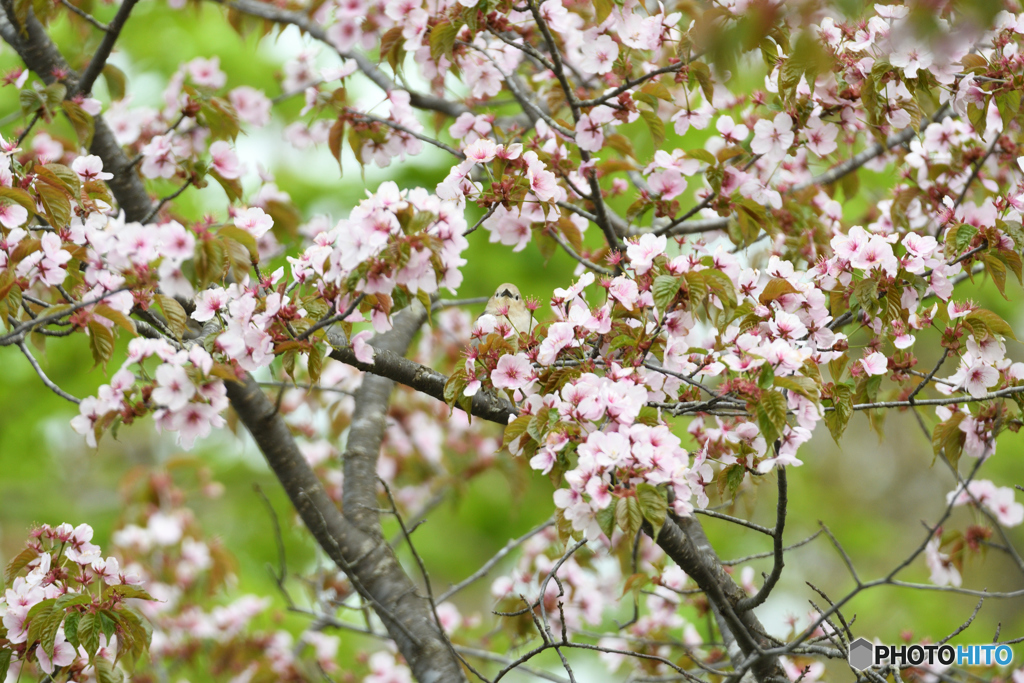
{"points": [[507, 305]]}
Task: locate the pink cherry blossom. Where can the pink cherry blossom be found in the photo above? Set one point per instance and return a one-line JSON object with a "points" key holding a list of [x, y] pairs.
{"points": [[225, 161], [12, 215], [90, 168], [624, 291], [512, 372], [255, 221], [773, 138], [363, 351], [599, 54], [875, 363], [821, 137]]}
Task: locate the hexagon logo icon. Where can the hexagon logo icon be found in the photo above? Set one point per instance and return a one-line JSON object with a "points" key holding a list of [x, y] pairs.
{"points": [[861, 654]]}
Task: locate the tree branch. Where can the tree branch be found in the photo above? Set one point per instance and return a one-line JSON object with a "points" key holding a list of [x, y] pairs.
{"points": [[421, 378], [41, 56], [683, 539], [779, 549], [370, 563], [272, 13], [99, 58]]}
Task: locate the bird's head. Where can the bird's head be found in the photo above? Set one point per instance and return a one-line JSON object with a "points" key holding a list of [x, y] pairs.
{"points": [[507, 292]]}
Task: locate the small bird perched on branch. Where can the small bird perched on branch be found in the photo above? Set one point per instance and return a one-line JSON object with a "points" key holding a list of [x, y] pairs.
{"points": [[507, 305]]}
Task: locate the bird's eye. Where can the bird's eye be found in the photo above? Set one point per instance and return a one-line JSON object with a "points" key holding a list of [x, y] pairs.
{"points": [[517, 297]]}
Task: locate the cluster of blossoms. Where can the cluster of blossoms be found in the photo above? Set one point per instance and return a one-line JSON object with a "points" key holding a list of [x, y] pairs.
{"points": [[51, 614], [394, 238], [181, 567], [182, 393], [582, 588], [784, 311]]}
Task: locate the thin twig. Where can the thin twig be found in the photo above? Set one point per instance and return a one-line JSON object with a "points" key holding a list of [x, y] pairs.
{"points": [[779, 549], [333, 319], [85, 15], [99, 58], [487, 566], [42, 375], [362, 117], [168, 198]]}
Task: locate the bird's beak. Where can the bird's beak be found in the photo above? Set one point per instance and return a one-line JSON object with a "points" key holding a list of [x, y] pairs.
{"points": [[505, 292]]}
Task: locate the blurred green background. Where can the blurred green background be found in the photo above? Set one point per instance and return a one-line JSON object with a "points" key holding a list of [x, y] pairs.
{"points": [[873, 493]]}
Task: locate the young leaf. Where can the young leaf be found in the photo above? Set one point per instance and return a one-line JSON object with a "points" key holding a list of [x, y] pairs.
{"points": [[842, 401], [628, 515], [177, 319], [654, 506]]}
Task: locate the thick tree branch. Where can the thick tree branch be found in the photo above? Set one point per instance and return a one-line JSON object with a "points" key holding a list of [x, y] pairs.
{"points": [[99, 58], [359, 501], [364, 557], [41, 56], [683, 539], [421, 378]]}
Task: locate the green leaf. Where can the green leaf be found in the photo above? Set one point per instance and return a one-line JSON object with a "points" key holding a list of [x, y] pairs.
{"points": [[116, 81], [721, 285], [335, 138], [702, 155], [136, 634], [101, 342], [48, 632], [628, 515], [19, 562], [442, 40], [664, 289], [771, 415], [89, 634], [176, 317], [127, 591], [220, 117], [5, 662], [602, 9], [733, 478], [108, 623], [948, 438], [106, 672], [537, 428], [991, 322], [72, 599], [606, 520], [653, 505], [19, 196], [81, 121], [634, 584], [60, 175], [243, 237], [116, 317], [454, 387], [697, 285], [315, 363], [804, 386], [37, 619], [958, 238], [775, 288], [655, 125], [515, 429], [56, 205], [842, 401], [71, 628]]}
